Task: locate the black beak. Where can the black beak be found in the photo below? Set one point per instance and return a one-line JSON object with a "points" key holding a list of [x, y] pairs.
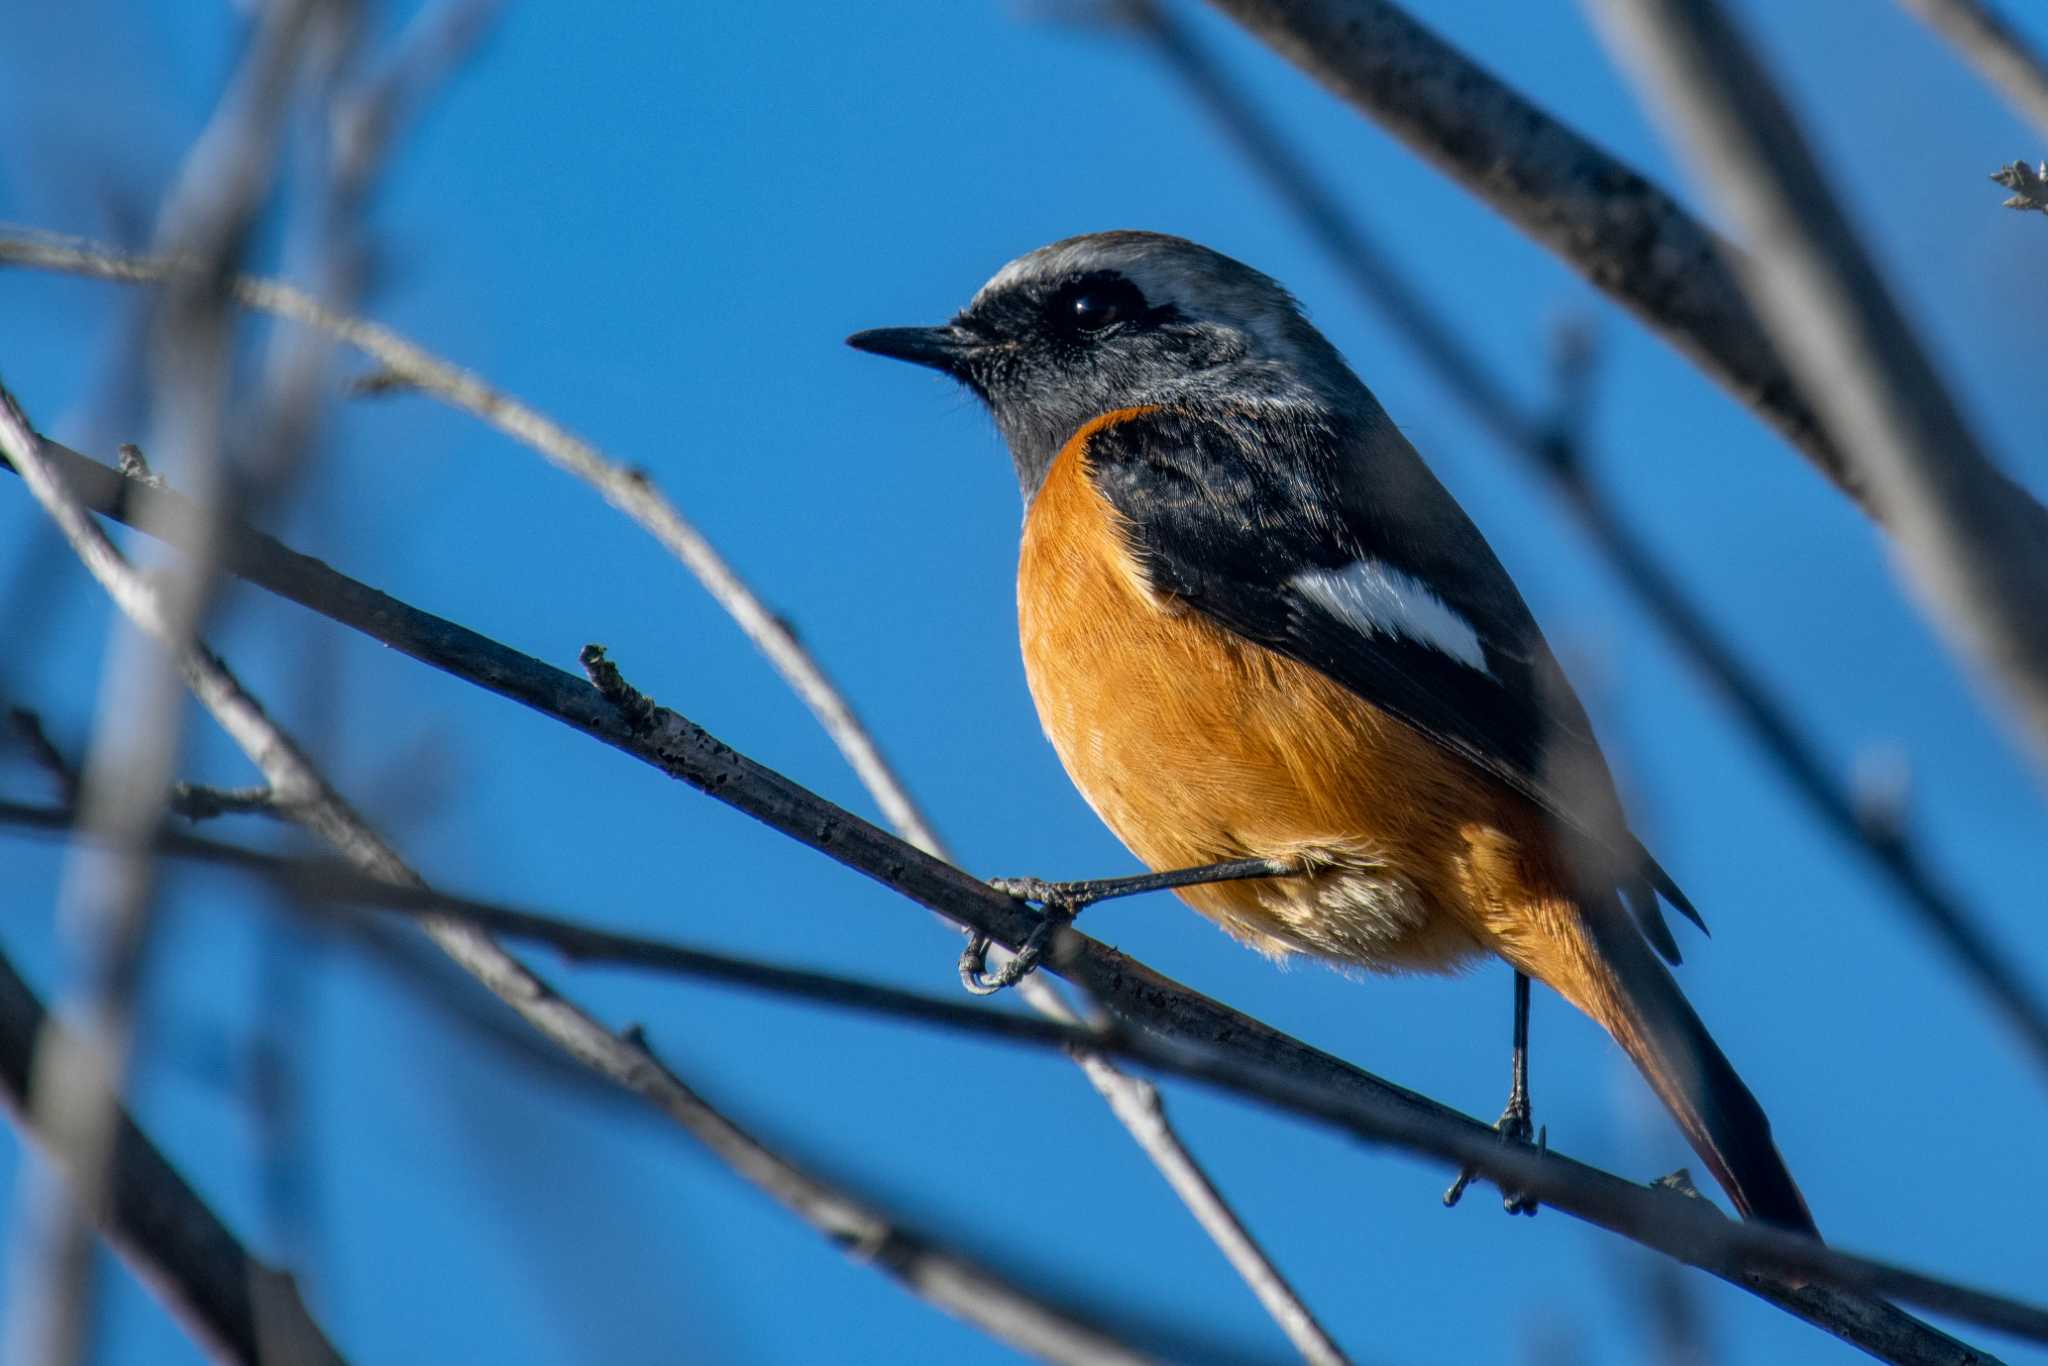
{"points": [[946, 349]]}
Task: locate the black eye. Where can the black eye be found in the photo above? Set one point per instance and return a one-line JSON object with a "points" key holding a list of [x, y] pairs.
{"points": [[1094, 305]]}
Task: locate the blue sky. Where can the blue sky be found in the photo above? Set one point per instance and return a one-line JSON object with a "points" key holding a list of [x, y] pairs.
{"points": [[658, 223]]}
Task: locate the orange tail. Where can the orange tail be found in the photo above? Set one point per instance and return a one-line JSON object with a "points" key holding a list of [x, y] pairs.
{"points": [[1629, 992]]}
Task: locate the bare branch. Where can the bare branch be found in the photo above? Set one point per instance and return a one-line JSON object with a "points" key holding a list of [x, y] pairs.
{"points": [[1600, 216], [1603, 218], [44, 752], [1138, 1105], [1977, 553], [1556, 449], [437, 41], [626, 489], [81, 1070], [190, 800], [240, 1309], [1687, 1227], [403, 365], [946, 1279], [682, 750], [1998, 51]]}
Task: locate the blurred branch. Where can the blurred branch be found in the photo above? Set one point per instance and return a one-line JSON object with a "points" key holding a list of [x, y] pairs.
{"points": [[934, 1272], [1976, 553], [405, 365], [237, 1307], [1600, 216], [435, 44], [670, 743], [193, 801], [1364, 262], [1140, 1108], [420, 968], [1685, 1223], [402, 955], [1555, 447], [1998, 51], [353, 133], [28, 728], [2029, 185], [196, 802], [107, 896]]}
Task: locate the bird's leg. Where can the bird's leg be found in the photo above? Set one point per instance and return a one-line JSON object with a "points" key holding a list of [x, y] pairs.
{"points": [[1060, 902], [1516, 1124], [1076, 896]]}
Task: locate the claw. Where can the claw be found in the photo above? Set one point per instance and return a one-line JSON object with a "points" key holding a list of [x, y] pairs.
{"points": [[1062, 901], [1058, 909], [1514, 1126]]}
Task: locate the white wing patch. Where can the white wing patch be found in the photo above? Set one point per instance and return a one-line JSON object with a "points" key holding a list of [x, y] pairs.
{"points": [[1374, 596]]}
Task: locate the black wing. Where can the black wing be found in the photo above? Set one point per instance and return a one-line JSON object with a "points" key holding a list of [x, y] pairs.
{"points": [[1348, 556]]}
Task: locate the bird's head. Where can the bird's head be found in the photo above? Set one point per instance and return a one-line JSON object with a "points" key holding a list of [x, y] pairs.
{"points": [[1115, 320]]}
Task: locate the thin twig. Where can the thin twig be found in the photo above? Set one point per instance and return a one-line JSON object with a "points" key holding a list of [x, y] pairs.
{"points": [[1682, 1223], [196, 802], [193, 801], [404, 364], [28, 726], [1976, 554], [1555, 448], [2000, 53], [1138, 1105], [927, 1268], [674, 746]]}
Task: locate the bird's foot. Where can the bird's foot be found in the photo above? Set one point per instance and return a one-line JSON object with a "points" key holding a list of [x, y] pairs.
{"points": [[1516, 1125], [1060, 902]]}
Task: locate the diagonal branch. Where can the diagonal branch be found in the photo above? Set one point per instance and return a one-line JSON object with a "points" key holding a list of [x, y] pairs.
{"points": [[2000, 53], [672, 744], [1977, 554], [1206, 1063], [1599, 215], [239, 1308], [407, 365], [928, 1269]]}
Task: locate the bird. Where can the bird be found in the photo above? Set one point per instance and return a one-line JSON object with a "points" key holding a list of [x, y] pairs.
{"points": [[1258, 630]]}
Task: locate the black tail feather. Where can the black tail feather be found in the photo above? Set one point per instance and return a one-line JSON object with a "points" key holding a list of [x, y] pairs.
{"points": [[1682, 1063]]}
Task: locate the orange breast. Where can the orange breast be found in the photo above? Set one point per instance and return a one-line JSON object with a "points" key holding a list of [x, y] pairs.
{"points": [[1196, 746]]}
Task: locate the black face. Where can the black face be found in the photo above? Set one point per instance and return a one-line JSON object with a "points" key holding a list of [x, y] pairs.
{"points": [[1059, 322], [1047, 354], [1024, 331]]}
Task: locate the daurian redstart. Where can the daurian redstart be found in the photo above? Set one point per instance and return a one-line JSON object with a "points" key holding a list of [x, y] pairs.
{"points": [[1256, 626]]}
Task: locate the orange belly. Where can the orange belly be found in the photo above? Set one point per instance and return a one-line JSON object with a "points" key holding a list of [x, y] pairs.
{"points": [[1197, 746]]}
